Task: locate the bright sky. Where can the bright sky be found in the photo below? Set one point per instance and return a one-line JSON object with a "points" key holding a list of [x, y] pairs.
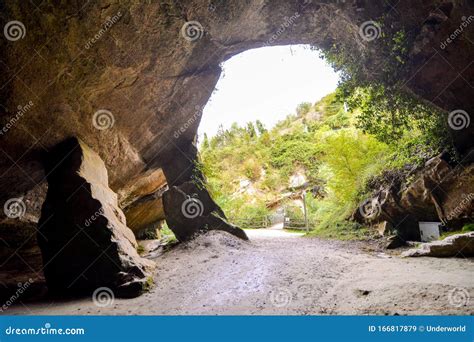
{"points": [[266, 84]]}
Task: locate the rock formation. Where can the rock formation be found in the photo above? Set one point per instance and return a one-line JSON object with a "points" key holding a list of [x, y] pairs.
{"points": [[459, 245], [190, 210], [130, 78], [439, 192], [82, 233]]}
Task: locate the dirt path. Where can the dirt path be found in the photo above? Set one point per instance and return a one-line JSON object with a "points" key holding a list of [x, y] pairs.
{"points": [[283, 273]]}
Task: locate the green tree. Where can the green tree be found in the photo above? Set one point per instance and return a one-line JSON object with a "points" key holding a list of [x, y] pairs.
{"points": [[205, 142], [350, 158], [303, 108], [251, 130], [260, 127]]}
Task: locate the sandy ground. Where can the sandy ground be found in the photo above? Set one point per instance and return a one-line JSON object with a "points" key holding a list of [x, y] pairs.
{"points": [[280, 273]]}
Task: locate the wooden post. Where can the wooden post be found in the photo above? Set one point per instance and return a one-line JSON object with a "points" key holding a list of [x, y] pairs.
{"points": [[305, 212]]}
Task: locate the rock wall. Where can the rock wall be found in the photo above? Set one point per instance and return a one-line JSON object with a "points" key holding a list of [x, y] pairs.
{"points": [[142, 201], [82, 233], [440, 192]]}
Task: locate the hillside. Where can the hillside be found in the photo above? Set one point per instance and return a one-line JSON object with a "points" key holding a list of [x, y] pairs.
{"points": [[324, 149]]}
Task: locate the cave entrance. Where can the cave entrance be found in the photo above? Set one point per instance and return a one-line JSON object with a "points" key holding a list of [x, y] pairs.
{"points": [[263, 97]]}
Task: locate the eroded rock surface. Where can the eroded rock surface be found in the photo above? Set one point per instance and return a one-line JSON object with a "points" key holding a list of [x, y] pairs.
{"points": [[190, 210], [82, 233], [459, 245], [146, 213], [439, 192]]}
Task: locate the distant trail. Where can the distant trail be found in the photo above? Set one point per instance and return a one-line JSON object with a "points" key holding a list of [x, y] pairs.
{"points": [[277, 226], [283, 273]]}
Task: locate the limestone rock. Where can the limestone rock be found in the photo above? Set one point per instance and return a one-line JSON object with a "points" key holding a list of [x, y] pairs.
{"points": [[439, 192], [138, 187], [145, 213], [83, 236], [394, 241], [459, 245], [190, 210], [383, 228], [142, 203]]}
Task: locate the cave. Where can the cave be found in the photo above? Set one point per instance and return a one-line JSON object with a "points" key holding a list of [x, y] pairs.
{"points": [[113, 94]]}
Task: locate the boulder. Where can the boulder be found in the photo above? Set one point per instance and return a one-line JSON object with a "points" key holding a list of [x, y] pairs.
{"points": [[82, 233], [190, 210], [148, 183], [459, 245], [439, 192], [394, 241]]}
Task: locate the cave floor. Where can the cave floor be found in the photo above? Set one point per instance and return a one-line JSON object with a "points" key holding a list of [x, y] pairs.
{"points": [[279, 273]]}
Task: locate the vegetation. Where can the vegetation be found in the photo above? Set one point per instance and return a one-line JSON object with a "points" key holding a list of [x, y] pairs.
{"points": [[465, 229], [167, 234], [468, 228], [341, 145], [369, 131]]}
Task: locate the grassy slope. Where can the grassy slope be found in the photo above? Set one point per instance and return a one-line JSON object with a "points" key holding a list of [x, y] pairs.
{"points": [[320, 141]]}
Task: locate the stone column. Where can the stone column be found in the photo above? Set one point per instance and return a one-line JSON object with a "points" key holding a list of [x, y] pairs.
{"points": [[188, 206], [82, 233]]}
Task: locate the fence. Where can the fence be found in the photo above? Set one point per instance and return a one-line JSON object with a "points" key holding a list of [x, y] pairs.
{"points": [[268, 221], [298, 224], [262, 222]]}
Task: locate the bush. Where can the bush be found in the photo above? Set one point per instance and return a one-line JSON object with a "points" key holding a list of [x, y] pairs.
{"points": [[291, 151], [468, 228], [303, 108], [252, 169]]}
